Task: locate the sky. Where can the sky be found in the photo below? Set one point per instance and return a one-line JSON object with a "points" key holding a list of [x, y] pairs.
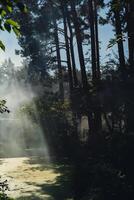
{"points": [[11, 43]]}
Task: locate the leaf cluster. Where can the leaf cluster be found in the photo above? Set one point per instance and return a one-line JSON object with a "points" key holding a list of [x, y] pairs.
{"points": [[3, 107], [7, 9]]}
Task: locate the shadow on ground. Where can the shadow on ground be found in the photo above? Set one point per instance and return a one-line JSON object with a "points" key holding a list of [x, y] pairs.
{"points": [[60, 189], [32, 197]]}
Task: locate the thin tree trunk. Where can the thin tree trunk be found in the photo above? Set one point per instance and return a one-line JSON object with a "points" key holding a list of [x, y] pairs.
{"points": [[67, 47], [61, 87], [98, 112], [79, 44], [72, 51], [95, 62], [97, 41], [82, 61], [130, 82], [93, 41], [120, 41], [130, 30]]}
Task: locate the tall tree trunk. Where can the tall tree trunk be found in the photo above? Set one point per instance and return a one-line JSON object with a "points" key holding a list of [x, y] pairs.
{"points": [[119, 36], [79, 44], [72, 50], [93, 40], [130, 82], [61, 87], [130, 30], [97, 41], [97, 122], [67, 46], [82, 62]]}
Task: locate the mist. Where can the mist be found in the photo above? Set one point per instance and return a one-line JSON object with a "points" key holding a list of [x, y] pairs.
{"points": [[19, 134]]}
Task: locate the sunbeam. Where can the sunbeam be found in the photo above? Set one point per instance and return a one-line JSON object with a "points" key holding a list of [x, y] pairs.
{"points": [[18, 130]]}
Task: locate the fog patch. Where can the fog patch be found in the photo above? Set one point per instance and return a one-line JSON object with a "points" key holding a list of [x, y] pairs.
{"points": [[19, 135]]}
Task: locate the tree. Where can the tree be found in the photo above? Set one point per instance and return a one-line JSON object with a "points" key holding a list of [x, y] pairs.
{"points": [[60, 71], [130, 30], [72, 49], [79, 44], [115, 16], [64, 13]]}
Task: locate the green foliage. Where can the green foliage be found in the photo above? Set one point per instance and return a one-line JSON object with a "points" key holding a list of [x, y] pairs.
{"points": [[22, 7], [102, 20], [46, 106], [7, 8], [114, 41], [3, 107], [3, 189], [55, 118], [2, 46]]}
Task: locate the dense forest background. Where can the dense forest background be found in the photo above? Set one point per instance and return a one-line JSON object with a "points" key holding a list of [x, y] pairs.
{"points": [[85, 105]]}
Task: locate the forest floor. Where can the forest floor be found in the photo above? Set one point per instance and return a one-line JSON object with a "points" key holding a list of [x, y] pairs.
{"points": [[33, 178]]}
